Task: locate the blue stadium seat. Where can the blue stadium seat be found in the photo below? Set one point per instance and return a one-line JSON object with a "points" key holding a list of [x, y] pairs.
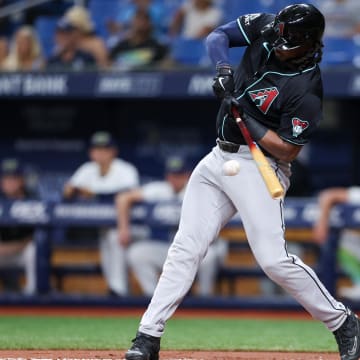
{"points": [[189, 52], [101, 11], [234, 8], [338, 51], [45, 27]]}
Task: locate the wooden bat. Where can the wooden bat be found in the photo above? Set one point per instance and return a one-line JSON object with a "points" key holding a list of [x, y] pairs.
{"points": [[267, 172]]}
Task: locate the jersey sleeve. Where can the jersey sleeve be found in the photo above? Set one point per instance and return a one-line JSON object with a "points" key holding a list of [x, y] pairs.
{"points": [[301, 120], [250, 25], [81, 176], [155, 191]]}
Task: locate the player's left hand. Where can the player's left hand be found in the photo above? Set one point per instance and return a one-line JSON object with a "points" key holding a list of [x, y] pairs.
{"points": [[229, 102], [223, 84]]}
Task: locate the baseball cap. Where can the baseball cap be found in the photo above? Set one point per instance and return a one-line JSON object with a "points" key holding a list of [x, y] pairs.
{"points": [[176, 165], [102, 139], [11, 167]]}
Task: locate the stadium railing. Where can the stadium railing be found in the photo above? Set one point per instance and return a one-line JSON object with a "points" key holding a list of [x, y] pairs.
{"points": [[299, 215]]}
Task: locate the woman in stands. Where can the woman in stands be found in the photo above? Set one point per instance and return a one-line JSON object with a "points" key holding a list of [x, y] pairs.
{"points": [[25, 51]]}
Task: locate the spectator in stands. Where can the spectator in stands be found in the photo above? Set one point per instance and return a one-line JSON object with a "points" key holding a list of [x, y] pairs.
{"points": [[25, 51], [16, 242], [68, 55], [104, 176], [195, 19], [342, 17], [122, 22], [349, 243], [139, 48], [4, 51], [146, 257], [79, 18]]}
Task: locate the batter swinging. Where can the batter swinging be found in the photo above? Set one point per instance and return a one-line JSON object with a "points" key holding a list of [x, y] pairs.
{"points": [[277, 86]]}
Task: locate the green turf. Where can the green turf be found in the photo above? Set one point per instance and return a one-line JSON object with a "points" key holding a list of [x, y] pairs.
{"points": [[115, 333]]}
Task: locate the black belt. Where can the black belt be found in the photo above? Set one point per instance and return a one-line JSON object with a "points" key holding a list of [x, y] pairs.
{"points": [[228, 146]]}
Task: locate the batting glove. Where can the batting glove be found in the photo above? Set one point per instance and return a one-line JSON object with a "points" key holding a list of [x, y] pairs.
{"points": [[223, 84], [229, 102]]}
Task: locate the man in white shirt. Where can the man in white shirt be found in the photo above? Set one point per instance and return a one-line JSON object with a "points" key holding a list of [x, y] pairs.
{"points": [[105, 175], [146, 257]]}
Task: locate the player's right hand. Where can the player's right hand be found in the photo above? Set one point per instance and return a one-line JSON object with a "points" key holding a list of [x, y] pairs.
{"points": [[124, 236], [223, 84], [229, 102]]}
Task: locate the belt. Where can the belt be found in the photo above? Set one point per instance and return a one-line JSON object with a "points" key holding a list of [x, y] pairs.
{"points": [[228, 146]]}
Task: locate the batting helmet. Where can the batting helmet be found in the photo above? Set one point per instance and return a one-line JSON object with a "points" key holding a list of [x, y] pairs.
{"points": [[298, 25]]}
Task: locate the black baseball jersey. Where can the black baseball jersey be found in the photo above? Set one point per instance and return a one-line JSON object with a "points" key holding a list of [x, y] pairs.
{"points": [[286, 101]]}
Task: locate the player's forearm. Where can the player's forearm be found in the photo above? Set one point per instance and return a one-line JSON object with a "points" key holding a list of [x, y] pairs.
{"points": [[327, 199], [217, 44], [219, 41], [123, 211], [279, 148], [69, 191]]}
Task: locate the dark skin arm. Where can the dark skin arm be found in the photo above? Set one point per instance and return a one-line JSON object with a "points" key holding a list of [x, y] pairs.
{"points": [[279, 148]]}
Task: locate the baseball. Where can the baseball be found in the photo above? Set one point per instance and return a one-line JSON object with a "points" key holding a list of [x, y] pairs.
{"points": [[231, 167]]}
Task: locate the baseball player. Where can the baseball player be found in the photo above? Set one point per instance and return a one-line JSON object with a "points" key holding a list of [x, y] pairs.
{"points": [[277, 87], [147, 256], [104, 176]]}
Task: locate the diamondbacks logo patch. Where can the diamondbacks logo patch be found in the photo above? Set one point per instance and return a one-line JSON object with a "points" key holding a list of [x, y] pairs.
{"points": [[263, 98], [299, 126]]}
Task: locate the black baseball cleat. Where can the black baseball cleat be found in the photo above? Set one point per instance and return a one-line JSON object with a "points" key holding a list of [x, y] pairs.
{"points": [[348, 338], [144, 347]]}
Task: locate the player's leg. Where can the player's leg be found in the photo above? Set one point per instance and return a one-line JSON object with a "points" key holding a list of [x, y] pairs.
{"points": [[263, 222], [209, 267], [146, 259], [28, 260], [205, 210], [113, 262]]}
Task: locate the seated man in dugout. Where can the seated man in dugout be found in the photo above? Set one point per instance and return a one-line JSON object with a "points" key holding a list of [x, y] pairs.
{"points": [[147, 256], [17, 248]]}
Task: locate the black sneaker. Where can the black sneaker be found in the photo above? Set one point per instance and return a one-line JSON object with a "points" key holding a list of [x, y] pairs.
{"points": [[145, 347], [348, 338]]}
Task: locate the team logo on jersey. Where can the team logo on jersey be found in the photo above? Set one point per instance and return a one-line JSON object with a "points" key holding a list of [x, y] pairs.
{"points": [[251, 17], [298, 126], [263, 98]]}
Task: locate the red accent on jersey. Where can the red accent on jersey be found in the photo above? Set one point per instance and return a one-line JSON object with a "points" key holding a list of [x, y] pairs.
{"points": [[263, 98], [298, 126]]}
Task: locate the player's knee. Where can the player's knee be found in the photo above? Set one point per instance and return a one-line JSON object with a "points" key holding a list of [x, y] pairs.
{"points": [[274, 269], [187, 248]]}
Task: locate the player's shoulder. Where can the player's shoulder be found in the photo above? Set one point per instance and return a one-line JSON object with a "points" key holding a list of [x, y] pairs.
{"points": [[87, 166], [310, 78], [122, 165], [252, 24]]}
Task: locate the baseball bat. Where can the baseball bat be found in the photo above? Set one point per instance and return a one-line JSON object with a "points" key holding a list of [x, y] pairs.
{"points": [[272, 182]]}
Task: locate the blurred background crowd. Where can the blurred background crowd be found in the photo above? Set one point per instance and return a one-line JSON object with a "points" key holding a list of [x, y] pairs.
{"points": [[126, 150], [133, 34]]}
